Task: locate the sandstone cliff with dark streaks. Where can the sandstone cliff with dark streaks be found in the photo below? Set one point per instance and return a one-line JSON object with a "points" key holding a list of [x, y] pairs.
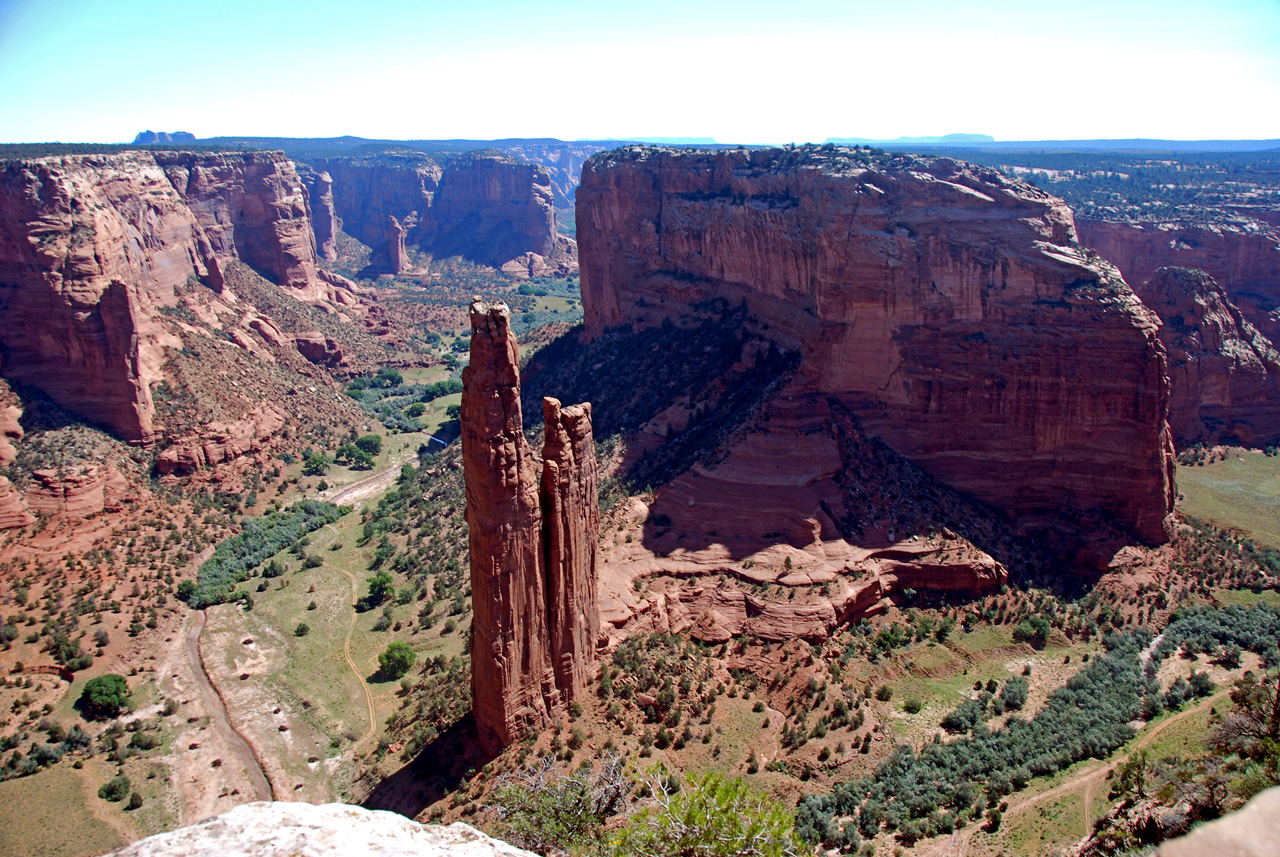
{"points": [[1244, 258], [945, 305], [324, 219], [485, 206], [532, 578], [1224, 374]]}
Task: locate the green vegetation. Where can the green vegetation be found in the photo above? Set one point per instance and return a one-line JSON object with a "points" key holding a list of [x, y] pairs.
{"points": [[258, 540], [49, 815], [949, 784], [1242, 492], [396, 403], [396, 660], [549, 811], [710, 816], [105, 696], [116, 789]]}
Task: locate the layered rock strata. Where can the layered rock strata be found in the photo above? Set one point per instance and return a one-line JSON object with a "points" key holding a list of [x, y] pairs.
{"points": [[485, 206], [1224, 374], [93, 247], [948, 307], [219, 442], [1244, 258], [532, 587]]}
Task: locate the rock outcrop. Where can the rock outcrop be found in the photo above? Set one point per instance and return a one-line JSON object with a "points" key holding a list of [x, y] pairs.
{"points": [[485, 206], [399, 256], [571, 521], [220, 442], [324, 219], [76, 492], [1224, 374], [318, 348], [532, 593], [92, 248], [1244, 258], [948, 307], [289, 829], [10, 430], [13, 511]]}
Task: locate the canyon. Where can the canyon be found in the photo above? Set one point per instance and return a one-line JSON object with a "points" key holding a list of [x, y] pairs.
{"points": [[532, 543], [943, 305], [485, 206]]}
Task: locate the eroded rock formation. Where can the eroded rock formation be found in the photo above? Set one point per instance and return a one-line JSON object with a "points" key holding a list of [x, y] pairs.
{"points": [[946, 306], [1244, 258], [571, 521], [93, 247], [532, 588], [219, 442], [1224, 374], [324, 220], [485, 206]]}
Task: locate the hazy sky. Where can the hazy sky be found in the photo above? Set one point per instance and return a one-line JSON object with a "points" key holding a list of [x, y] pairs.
{"points": [[744, 71]]}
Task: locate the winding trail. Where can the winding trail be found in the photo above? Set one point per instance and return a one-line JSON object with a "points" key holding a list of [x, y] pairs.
{"points": [[959, 842], [218, 714], [346, 649]]}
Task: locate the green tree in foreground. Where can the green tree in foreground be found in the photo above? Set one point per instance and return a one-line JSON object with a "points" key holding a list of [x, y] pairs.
{"points": [[709, 817], [397, 659], [104, 696]]}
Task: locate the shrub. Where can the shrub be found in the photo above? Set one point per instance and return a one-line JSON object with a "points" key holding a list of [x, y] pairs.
{"points": [[1034, 631], [370, 443], [912, 705], [397, 659], [302, 630], [104, 697], [135, 801], [115, 789], [1014, 693], [711, 816]]}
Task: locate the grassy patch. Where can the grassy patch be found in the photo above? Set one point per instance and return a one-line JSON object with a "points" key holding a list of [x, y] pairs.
{"points": [[1241, 492], [48, 815]]}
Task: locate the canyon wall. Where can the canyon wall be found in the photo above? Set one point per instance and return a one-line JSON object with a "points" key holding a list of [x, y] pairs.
{"points": [[532, 594], [1244, 258], [485, 206], [947, 307], [1224, 374], [92, 247]]}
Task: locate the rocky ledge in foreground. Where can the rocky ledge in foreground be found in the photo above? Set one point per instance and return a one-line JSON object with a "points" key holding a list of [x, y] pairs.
{"points": [[284, 829]]}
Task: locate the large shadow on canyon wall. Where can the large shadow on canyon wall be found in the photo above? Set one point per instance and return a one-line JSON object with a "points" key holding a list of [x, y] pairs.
{"points": [[434, 773], [630, 376]]}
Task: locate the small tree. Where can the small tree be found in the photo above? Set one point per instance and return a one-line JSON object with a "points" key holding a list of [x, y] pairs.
{"points": [[104, 697], [317, 465], [397, 659], [302, 630], [370, 443], [115, 789]]}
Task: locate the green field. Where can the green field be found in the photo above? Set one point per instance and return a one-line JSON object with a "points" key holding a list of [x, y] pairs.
{"points": [[1242, 492], [48, 815]]}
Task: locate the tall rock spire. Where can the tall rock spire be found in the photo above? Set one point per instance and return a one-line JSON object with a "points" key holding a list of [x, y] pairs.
{"points": [[571, 520], [533, 587]]}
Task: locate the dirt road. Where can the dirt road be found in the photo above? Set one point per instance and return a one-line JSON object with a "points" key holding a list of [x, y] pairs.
{"points": [[370, 486], [218, 713]]}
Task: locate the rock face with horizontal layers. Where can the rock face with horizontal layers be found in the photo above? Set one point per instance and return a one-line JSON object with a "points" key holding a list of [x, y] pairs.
{"points": [[92, 247], [290, 829], [948, 307], [485, 206], [529, 649], [219, 442], [1243, 257], [1224, 374]]}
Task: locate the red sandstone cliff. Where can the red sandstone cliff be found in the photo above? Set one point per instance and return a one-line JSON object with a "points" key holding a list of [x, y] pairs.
{"points": [[533, 594], [485, 206], [946, 306], [1243, 257], [511, 675], [571, 521], [1224, 374], [324, 219], [93, 246]]}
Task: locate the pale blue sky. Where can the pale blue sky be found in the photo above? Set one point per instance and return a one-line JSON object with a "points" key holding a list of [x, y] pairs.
{"points": [[747, 71]]}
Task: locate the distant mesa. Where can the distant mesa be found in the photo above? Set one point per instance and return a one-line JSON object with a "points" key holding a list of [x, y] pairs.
{"points": [[944, 140], [667, 141], [146, 137]]}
